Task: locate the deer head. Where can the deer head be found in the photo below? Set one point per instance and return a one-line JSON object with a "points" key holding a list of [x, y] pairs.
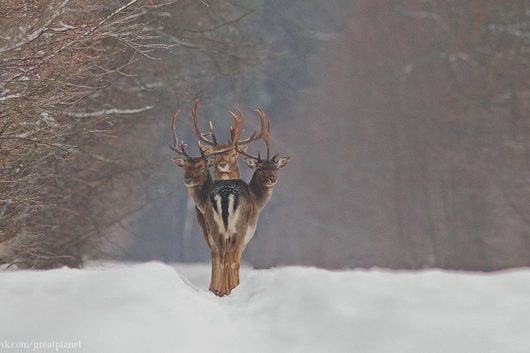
{"points": [[266, 170], [226, 165], [195, 168]]}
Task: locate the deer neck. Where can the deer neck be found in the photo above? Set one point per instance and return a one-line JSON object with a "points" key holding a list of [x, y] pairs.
{"points": [[199, 193], [262, 192]]}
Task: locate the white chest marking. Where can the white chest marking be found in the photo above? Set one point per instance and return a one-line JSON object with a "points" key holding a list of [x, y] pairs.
{"points": [[233, 217], [217, 213]]}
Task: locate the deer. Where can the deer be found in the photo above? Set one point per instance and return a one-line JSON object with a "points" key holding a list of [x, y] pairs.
{"points": [[197, 177], [233, 211], [228, 209], [226, 162], [226, 157]]}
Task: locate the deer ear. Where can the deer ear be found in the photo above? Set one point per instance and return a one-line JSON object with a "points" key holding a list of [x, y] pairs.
{"points": [[243, 148], [282, 162], [250, 162], [210, 161], [179, 161]]}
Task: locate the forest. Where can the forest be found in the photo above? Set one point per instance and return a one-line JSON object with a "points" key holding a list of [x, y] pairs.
{"points": [[408, 125]]}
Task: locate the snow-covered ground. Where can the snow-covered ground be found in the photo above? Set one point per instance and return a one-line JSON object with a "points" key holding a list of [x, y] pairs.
{"points": [[157, 308]]}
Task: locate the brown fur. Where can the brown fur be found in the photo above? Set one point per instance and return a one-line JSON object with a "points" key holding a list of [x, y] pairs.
{"points": [[226, 165], [196, 171], [225, 255], [227, 248], [224, 276], [227, 252]]}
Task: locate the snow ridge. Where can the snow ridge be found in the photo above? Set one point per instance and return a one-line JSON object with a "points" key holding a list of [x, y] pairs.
{"points": [[153, 307]]}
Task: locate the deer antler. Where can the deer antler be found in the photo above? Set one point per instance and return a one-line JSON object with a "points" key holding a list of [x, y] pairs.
{"points": [[202, 136], [264, 134], [265, 129], [235, 131], [178, 146]]}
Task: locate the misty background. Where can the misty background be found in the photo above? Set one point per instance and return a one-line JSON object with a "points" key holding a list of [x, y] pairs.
{"points": [[407, 123]]}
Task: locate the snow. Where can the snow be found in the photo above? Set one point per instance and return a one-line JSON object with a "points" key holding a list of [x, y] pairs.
{"points": [[153, 307]]}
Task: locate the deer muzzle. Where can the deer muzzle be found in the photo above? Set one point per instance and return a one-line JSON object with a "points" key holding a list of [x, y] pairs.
{"points": [[223, 166], [271, 181]]}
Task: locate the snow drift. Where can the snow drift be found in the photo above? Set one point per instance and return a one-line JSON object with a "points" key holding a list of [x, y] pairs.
{"points": [[156, 308]]}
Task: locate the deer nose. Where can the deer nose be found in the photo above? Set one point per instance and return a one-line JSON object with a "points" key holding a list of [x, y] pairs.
{"points": [[187, 181], [222, 164], [272, 179]]}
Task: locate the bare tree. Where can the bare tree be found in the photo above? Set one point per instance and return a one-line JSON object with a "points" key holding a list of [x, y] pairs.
{"points": [[53, 55], [83, 94]]}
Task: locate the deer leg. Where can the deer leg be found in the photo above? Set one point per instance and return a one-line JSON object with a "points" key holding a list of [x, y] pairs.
{"points": [[216, 273], [225, 267], [234, 269], [238, 253], [233, 256], [222, 275], [229, 270], [222, 280], [220, 285], [228, 262]]}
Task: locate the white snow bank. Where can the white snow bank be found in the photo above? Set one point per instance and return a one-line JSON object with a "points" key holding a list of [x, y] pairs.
{"points": [[151, 308]]}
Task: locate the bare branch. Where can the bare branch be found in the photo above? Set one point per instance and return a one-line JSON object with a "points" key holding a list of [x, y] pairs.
{"points": [[108, 112]]}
